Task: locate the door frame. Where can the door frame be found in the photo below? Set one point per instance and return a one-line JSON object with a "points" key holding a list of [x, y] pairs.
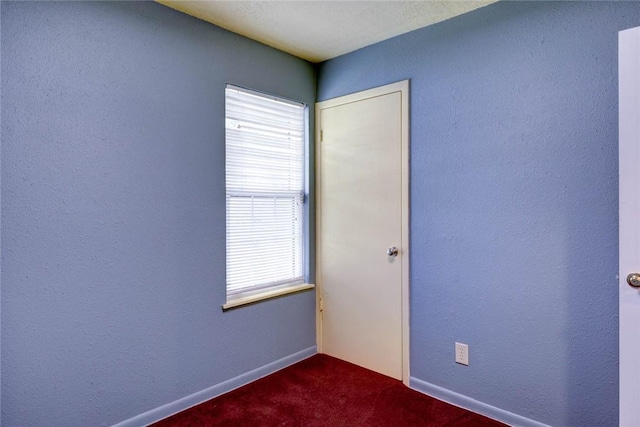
{"points": [[403, 88], [629, 229]]}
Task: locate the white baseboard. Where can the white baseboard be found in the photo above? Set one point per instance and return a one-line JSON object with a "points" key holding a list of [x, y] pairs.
{"points": [[194, 399], [472, 405]]}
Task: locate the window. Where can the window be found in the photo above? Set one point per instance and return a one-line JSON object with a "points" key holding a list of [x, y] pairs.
{"points": [[265, 196]]}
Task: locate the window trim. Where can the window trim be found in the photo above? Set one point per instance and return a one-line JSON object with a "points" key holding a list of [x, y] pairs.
{"points": [[251, 296], [267, 294]]}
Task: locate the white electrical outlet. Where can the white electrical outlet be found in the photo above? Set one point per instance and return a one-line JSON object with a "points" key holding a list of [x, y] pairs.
{"points": [[462, 354]]}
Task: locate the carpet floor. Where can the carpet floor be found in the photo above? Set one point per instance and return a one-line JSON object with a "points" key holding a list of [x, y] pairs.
{"points": [[324, 391]]}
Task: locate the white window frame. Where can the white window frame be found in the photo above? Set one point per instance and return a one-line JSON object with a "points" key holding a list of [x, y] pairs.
{"points": [[241, 185]]}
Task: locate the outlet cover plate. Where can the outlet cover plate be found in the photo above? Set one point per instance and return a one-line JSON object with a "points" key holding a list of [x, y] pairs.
{"points": [[462, 354]]}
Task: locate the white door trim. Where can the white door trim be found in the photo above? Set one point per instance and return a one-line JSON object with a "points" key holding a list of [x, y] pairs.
{"points": [[629, 212], [403, 88]]}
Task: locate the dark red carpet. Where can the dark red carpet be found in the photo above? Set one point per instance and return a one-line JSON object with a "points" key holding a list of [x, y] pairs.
{"points": [[324, 391]]}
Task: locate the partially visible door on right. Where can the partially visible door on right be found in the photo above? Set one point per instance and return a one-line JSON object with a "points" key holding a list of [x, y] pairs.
{"points": [[629, 220]]}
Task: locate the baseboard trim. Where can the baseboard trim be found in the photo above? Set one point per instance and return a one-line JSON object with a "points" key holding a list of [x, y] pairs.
{"points": [[194, 399], [472, 405]]}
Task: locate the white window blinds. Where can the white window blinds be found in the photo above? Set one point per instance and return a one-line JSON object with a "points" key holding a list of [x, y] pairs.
{"points": [[265, 140]]}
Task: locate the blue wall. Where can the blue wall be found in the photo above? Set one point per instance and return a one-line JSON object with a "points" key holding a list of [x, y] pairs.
{"points": [[113, 214], [514, 229]]}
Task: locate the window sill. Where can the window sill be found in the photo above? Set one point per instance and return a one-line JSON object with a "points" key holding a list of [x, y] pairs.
{"points": [[266, 295]]}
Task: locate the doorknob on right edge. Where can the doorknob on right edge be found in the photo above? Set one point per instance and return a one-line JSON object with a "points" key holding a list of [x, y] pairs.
{"points": [[393, 251], [633, 280]]}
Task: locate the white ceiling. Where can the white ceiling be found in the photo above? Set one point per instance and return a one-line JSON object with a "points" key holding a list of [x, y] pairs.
{"points": [[321, 30]]}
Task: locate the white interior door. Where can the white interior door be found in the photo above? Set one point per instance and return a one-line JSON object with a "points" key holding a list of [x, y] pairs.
{"points": [[629, 184], [363, 214]]}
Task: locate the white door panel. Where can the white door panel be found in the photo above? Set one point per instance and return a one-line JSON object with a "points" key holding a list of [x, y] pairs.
{"points": [[360, 216], [629, 218]]}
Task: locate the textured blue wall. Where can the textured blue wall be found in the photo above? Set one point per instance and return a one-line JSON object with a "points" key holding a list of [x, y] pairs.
{"points": [[113, 214], [514, 229]]}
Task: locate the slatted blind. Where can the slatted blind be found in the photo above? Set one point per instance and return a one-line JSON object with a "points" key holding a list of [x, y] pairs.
{"points": [[265, 139]]}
